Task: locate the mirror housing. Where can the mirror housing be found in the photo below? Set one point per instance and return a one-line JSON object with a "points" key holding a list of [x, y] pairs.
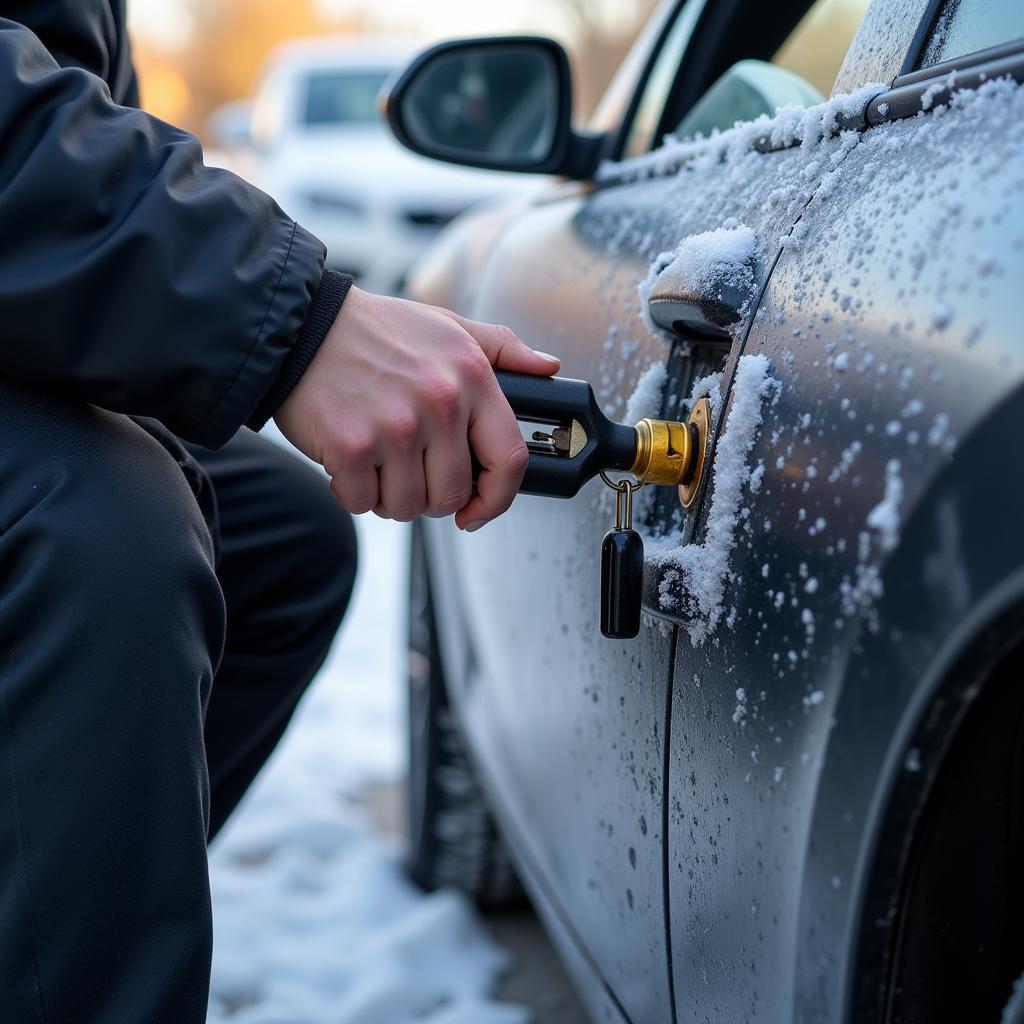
{"points": [[501, 103]]}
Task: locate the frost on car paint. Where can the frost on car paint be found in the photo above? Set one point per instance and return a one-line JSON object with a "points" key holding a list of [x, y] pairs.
{"points": [[816, 169], [646, 397], [881, 43], [749, 200], [885, 516], [738, 149], [697, 576]]}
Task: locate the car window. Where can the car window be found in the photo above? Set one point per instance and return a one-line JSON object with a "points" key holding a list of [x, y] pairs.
{"points": [[966, 26], [801, 72], [747, 90], [812, 52], [816, 47], [659, 83], [342, 97]]}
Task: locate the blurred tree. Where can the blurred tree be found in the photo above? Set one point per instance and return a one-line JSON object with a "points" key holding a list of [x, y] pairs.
{"points": [[223, 59], [164, 90]]}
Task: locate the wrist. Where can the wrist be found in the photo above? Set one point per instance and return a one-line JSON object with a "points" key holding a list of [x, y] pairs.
{"points": [[322, 312]]}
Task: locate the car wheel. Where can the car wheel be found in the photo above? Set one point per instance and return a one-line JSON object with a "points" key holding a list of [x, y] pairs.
{"points": [[452, 836]]}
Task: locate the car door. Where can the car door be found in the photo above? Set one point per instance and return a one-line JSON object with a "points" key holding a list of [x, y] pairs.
{"points": [[889, 324], [570, 728]]}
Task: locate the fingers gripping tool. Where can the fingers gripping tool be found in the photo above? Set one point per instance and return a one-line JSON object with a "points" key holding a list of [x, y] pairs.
{"points": [[574, 441]]}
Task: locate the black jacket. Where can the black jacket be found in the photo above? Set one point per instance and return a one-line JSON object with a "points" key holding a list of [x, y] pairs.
{"points": [[131, 275]]}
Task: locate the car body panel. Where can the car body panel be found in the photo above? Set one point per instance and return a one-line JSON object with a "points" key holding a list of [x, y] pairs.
{"points": [[892, 325], [882, 43], [589, 712], [565, 275]]}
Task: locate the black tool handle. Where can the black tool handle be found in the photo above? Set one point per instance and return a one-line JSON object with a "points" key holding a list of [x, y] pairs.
{"points": [[558, 401]]}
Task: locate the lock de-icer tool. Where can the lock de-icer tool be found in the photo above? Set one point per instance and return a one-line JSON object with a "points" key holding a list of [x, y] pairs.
{"points": [[574, 441]]}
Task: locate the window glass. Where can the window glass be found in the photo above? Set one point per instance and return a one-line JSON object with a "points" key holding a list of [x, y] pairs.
{"points": [[811, 55], [661, 79], [747, 90], [966, 26], [817, 46], [800, 73], [342, 97]]}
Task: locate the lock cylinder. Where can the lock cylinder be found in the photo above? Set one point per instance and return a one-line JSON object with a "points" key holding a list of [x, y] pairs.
{"points": [[664, 451], [673, 454]]}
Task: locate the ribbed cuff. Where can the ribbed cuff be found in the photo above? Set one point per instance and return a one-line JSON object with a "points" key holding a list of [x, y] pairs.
{"points": [[323, 310]]}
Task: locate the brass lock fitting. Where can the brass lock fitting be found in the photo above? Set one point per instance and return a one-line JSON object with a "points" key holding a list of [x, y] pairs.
{"points": [[673, 453]]}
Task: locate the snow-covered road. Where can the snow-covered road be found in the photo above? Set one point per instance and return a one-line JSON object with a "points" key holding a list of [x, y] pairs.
{"points": [[314, 921]]}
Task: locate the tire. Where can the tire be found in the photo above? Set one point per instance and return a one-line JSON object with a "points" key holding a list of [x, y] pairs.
{"points": [[453, 840], [957, 944]]}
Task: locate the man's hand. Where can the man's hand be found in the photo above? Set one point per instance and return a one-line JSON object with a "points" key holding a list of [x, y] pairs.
{"points": [[393, 400]]}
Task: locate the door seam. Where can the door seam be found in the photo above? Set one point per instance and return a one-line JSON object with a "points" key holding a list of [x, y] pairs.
{"points": [[665, 807]]}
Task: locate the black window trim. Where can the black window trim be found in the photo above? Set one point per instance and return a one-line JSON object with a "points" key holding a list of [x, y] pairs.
{"points": [[909, 70], [968, 60], [921, 37], [906, 96], [682, 9], [616, 140]]}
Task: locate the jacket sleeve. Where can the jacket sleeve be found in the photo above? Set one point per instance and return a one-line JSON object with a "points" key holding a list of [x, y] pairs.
{"points": [[131, 275]]}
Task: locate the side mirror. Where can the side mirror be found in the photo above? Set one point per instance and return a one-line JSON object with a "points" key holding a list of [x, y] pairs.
{"points": [[502, 103]]}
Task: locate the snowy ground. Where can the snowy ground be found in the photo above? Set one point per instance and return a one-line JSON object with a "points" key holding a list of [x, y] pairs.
{"points": [[314, 921]]}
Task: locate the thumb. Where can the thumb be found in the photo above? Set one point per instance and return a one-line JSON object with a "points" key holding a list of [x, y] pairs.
{"points": [[505, 351]]}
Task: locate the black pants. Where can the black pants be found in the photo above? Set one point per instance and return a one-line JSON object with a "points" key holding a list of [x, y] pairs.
{"points": [[160, 616]]}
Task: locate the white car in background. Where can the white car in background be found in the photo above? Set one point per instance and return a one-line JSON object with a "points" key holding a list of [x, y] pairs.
{"points": [[319, 147]]}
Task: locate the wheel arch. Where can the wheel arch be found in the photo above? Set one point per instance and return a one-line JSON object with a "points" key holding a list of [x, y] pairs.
{"points": [[928, 752], [902, 684]]}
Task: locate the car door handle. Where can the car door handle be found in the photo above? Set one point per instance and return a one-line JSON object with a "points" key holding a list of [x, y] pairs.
{"points": [[703, 297]]}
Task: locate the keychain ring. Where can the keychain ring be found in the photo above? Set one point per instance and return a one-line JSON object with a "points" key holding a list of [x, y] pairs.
{"points": [[621, 486]]}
